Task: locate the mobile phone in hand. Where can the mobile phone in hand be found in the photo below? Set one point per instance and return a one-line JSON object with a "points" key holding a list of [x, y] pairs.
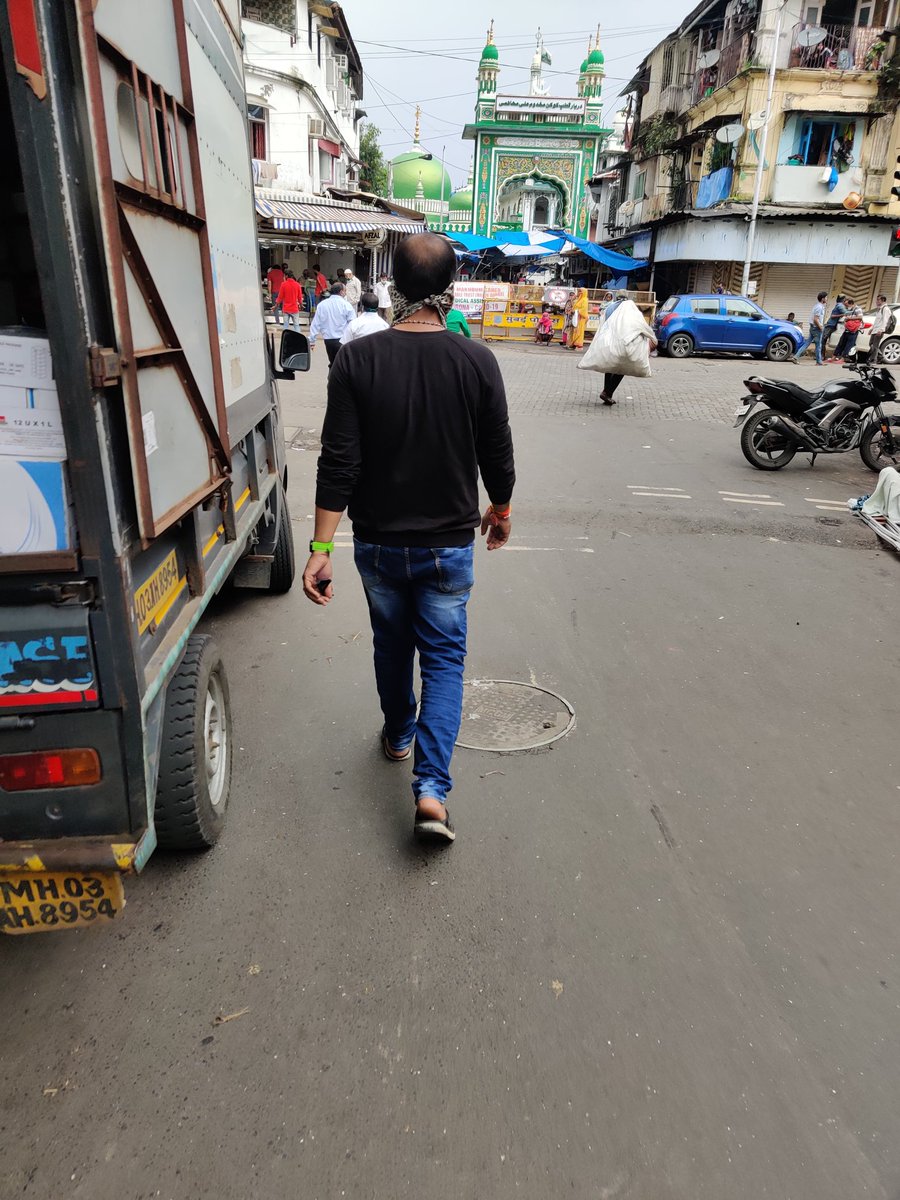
{"points": [[322, 586]]}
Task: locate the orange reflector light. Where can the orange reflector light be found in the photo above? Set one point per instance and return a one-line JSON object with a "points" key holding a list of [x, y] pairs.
{"points": [[49, 769]]}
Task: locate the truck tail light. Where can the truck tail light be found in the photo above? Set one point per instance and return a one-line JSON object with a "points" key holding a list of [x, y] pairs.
{"points": [[49, 769]]}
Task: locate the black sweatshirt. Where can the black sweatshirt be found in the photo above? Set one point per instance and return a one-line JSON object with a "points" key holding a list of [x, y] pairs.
{"points": [[411, 419]]}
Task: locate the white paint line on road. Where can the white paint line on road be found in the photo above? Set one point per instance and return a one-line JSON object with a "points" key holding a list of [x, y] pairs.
{"points": [[555, 549], [632, 486], [741, 500], [664, 495], [749, 495], [832, 507], [820, 500]]}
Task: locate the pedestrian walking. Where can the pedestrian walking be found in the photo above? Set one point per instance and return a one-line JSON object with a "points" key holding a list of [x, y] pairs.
{"points": [[579, 319], [816, 328], [290, 298], [383, 292], [367, 322], [275, 277], [352, 289], [413, 415], [332, 316], [834, 319], [633, 358], [457, 323], [885, 322], [853, 323]]}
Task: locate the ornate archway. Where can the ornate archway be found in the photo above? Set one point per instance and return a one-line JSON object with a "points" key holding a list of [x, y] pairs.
{"points": [[538, 192]]}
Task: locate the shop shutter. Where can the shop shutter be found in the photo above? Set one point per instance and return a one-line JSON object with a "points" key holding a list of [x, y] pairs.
{"points": [[859, 283], [703, 278], [887, 284], [792, 287], [733, 273]]}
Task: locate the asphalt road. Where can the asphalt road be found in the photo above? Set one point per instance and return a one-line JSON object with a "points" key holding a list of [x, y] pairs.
{"points": [[659, 963]]}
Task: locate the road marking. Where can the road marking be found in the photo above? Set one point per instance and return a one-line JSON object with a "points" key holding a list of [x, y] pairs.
{"points": [[749, 495], [819, 500], [664, 495], [832, 507], [741, 500], [632, 486]]}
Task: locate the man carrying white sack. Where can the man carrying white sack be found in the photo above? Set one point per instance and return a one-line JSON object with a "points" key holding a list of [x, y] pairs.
{"points": [[620, 347]]}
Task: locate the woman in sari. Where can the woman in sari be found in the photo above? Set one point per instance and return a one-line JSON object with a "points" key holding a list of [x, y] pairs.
{"points": [[579, 318]]}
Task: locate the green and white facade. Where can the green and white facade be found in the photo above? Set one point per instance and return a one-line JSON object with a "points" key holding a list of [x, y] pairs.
{"points": [[534, 154]]}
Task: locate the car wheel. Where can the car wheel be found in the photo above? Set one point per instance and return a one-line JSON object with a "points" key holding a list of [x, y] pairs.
{"points": [[889, 351], [780, 349], [680, 345]]}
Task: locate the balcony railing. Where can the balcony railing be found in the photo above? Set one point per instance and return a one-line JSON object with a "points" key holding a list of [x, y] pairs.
{"points": [[840, 48], [732, 59], [675, 98]]}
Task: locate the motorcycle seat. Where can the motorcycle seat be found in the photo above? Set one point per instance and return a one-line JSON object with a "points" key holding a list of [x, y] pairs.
{"points": [[793, 389]]}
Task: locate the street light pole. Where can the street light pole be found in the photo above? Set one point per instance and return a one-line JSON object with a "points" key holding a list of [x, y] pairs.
{"points": [[761, 157]]}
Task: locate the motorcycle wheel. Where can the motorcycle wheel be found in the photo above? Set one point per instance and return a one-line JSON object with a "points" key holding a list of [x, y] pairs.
{"points": [[763, 444], [872, 449]]}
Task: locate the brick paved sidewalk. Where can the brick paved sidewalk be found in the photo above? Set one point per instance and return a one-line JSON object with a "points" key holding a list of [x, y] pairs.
{"points": [[546, 381]]}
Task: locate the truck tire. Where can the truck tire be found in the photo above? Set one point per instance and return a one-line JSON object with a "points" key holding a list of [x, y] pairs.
{"points": [[283, 565], [195, 759]]}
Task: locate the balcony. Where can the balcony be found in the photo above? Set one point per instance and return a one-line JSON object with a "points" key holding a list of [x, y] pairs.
{"points": [[839, 48], [674, 99], [809, 186], [732, 59]]}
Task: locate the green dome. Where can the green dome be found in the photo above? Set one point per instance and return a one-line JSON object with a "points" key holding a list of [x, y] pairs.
{"points": [[405, 171], [583, 67], [463, 199], [595, 59], [490, 52]]}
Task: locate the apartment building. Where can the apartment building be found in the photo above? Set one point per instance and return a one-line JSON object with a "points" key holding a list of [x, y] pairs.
{"points": [[304, 85], [832, 141]]}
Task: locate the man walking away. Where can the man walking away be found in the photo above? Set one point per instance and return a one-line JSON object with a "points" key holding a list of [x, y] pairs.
{"points": [[352, 289], [367, 322], [412, 417], [884, 324], [834, 319], [383, 292], [275, 276], [611, 380], [290, 297], [309, 290], [816, 327], [332, 316]]}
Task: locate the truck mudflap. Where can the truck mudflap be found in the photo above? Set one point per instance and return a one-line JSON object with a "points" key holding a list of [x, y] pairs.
{"points": [[65, 883]]}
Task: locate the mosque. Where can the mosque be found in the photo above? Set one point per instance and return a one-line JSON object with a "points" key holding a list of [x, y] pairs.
{"points": [[534, 154]]}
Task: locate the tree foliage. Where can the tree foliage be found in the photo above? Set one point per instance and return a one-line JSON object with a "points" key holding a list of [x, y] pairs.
{"points": [[373, 172]]}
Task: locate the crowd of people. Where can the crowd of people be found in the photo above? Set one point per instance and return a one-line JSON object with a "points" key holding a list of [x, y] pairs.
{"points": [[848, 316]]}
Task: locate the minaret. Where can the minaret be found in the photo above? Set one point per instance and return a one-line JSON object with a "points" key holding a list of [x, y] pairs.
{"points": [[488, 68], [418, 129], [582, 74], [593, 90]]}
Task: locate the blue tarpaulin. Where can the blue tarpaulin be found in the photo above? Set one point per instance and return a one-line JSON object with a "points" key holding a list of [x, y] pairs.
{"points": [[609, 258], [472, 241], [714, 188]]}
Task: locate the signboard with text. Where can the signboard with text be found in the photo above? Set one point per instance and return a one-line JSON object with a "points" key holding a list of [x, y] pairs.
{"points": [[566, 105], [470, 296]]}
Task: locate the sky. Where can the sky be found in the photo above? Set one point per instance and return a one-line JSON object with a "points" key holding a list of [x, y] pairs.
{"points": [[428, 53]]}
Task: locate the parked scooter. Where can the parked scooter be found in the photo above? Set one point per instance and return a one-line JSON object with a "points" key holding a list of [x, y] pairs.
{"points": [[845, 414]]}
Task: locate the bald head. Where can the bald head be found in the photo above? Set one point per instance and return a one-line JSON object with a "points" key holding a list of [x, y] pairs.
{"points": [[424, 265]]}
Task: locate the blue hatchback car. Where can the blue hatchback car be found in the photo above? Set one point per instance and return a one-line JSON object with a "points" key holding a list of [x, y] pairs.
{"points": [[713, 322]]}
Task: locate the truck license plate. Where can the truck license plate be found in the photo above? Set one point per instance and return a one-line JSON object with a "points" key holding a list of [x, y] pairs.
{"points": [[37, 902]]}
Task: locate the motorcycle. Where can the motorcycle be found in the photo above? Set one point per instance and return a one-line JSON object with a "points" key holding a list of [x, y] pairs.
{"points": [[845, 414]]}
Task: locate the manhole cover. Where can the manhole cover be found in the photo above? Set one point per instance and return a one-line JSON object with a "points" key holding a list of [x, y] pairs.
{"points": [[505, 716]]}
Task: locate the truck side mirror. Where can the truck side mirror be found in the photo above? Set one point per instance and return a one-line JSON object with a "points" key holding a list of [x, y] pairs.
{"points": [[294, 353]]}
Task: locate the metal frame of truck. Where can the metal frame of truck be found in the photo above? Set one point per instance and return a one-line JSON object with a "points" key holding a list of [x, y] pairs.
{"points": [[131, 129]]}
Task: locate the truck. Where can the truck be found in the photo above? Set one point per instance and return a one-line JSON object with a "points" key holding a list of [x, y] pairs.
{"points": [[141, 448]]}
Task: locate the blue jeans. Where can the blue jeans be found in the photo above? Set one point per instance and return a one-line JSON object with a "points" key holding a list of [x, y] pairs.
{"points": [[417, 601], [814, 339]]}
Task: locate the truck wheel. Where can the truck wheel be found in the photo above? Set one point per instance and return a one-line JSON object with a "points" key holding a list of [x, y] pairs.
{"points": [[282, 577], [195, 761]]}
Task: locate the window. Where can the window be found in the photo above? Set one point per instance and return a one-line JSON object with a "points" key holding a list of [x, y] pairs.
{"points": [[812, 14], [669, 304], [258, 139], [668, 66], [823, 142], [319, 48], [739, 308], [309, 27], [640, 186], [706, 308], [864, 15]]}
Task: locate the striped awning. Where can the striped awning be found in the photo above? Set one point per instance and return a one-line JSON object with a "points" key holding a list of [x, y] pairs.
{"points": [[331, 218]]}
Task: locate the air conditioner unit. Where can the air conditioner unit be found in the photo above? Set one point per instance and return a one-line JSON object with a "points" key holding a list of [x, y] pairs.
{"points": [[316, 127]]}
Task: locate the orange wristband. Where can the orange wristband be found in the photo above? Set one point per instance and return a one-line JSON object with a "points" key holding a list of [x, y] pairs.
{"points": [[503, 516]]}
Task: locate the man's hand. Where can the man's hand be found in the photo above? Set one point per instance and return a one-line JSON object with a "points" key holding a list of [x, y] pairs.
{"points": [[318, 569], [497, 529]]}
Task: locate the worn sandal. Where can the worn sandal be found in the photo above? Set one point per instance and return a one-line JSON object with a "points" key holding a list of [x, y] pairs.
{"points": [[388, 750], [433, 829]]}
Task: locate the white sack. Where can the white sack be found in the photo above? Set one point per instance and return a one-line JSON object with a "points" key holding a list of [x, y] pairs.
{"points": [[885, 500], [622, 344]]}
